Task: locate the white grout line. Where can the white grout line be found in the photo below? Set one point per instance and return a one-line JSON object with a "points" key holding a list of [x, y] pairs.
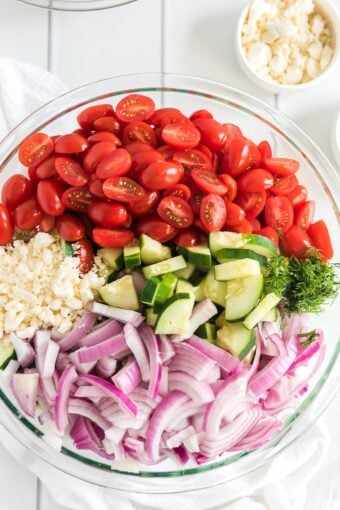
{"points": [[39, 486], [49, 39]]}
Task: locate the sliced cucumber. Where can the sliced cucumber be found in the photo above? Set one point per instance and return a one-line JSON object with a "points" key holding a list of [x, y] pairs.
{"points": [[219, 240], [166, 266], [165, 291], [237, 269], [132, 256], [220, 321], [272, 315], [260, 244], [261, 310], [6, 354], [153, 251], [151, 317], [68, 249], [187, 272], [242, 296], [108, 273], [236, 339], [200, 256], [215, 290], [199, 291], [113, 257], [207, 331], [226, 254], [120, 293], [174, 318], [149, 291], [197, 278], [250, 356], [184, 286]]}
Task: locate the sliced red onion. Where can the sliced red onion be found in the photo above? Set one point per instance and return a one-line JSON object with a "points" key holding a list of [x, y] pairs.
{"points": [[191, 443], [23, 349], [177, 439], [84, 408], [41, 342], [111, 347], [162, 416], [164, 382], [201, 314], [188, 410], [11, 369], [308, 352], [179, 454], [125, 316], [194, 355], [136, 450], [63, 361], [214, 375], [67, 378], [137, 347], [138, 281], [151, 344], [81, 329], [101, 332], [128, 377], [165, 348], [85, 438], [111, 391], [199, 391], [114, 434], [223, 358], [106, 367], [56, 336], [260, 434], [88, 392], [25, 391], [256, 360], [82, 368], [49, 365]]}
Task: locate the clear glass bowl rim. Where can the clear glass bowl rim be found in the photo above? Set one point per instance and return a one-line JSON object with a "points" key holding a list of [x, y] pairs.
{"points": [[224, 94], [76, 6]]}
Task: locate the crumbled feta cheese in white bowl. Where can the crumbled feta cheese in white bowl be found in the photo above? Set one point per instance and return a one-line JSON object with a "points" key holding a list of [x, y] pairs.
{"points": [[288, 45]]}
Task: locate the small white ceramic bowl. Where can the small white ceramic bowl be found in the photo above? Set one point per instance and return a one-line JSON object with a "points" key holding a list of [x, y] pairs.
{"points": [[327, 9]]}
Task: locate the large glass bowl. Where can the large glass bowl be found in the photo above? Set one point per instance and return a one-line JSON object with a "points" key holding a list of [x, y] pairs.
{"points": [[76, 5], [258, 121]]}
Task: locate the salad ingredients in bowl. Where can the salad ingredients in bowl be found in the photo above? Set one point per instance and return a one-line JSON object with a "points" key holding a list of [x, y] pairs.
{"points": [[147, 310]]}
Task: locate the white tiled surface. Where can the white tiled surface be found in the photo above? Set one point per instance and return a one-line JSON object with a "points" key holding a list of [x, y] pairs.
{"points": [[187, 36]]}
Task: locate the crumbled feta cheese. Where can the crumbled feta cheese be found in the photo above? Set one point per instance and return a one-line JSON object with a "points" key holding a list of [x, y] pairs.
{"points": [[281, 38], [40, 287]]}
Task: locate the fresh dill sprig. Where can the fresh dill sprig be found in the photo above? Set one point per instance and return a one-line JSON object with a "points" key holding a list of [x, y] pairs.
{"points": [[276, 275], [309, 337]]}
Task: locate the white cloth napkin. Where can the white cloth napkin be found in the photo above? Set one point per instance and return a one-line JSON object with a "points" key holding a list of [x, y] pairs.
{"points": [[298, 479]]}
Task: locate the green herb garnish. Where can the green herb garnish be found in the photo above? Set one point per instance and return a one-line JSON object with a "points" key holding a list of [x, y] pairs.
{"points": [[309, 337], [276, 275]]}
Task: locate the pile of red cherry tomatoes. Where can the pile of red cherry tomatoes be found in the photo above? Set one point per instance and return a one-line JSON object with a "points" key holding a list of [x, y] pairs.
{"points": [[137, 170]]}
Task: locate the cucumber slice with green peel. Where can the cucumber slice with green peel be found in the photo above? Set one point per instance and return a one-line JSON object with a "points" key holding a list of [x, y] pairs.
{"points": [[149, 291], [237, 269], [242, 295], [132, 256], [187, 272], [227, 254], [207, 331], [272, 315], [261, 310], [236, 339], [260, 244], [200, 256], [121, 293], [166, 266], [250, 356], [113, 257], [108, 273], [219, 240], [197, 278], [215, 290], [68, 249], [165, 291], [153, 251], [174, 318], [220, 321], [7, 353], [151, 317], [199, 291], [184, 286]]}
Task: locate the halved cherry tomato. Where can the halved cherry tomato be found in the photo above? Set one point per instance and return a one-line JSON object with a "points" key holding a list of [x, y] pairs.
{"points": [[241, 155], [295, 242], [71, 143], [298, 195], [71, 172], [135, 147], [203, 148], [159, 114], [49, 194], [107, 214], [96, 187], [321, 240], [107, 124], [141, 160], [179, 190], [28, 214], [128, 222], [153, 226], [279, 213], [281, 166], [32, 174], [46, 169], [34, 149], [192, 158], [255, 180], [47, 223], [304, 214], [161, 175], [234, 214], [87, 117], [139, 132], [104, 136], [265, 150], [95, 154], [181, 136], [213, 212], [254, 223], [208, 182], [15, 190], [112, 238], [187, 237], [244, 227], [197, 196], [231, 184], [77, 199], [252, 202], [284, 185], [123, 189], [173, 118], [232, 131], [135, 107], [70, 228], [197, 223], [6, 225], [212, 133], [114, 164], [85, 255], [270, 233], [166, 151], [175, 211], [146, 205], [201, 114]]}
